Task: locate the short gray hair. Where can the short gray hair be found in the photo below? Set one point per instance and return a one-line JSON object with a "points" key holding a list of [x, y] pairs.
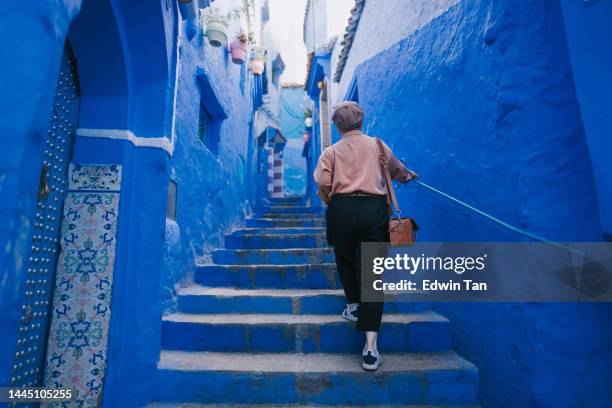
{"points": [[347, 116]]}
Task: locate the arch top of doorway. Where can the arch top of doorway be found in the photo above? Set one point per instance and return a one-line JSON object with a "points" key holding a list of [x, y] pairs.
{"points": [[124, 53]]}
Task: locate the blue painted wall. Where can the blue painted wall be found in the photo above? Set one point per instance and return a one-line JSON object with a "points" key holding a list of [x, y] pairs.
{"points": [[134, 334], [132, 91], [481, 102], [29, 74], [292, 126], [319, 71], [588, 30], [211, 193]]}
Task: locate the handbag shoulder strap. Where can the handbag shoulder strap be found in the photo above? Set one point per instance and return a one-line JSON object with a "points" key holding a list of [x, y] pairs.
{"points": [[391, 198]]}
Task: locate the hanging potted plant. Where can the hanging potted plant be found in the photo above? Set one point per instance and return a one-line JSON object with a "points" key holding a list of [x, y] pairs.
{"points": [[238, 47], [308, 118], [258, 60], [216, 28]]}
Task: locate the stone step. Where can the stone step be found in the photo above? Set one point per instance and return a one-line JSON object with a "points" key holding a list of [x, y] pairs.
{"points": [[274, 241], [286, 200], [430, 379], [281, 231], [210, 300], [318, 276], [272, 256], [278, 333], [197, 405], [284, 216], [287, 209], [273, 223]]}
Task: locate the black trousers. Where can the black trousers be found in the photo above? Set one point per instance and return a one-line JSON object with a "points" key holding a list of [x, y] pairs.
{"points": [[352, 220]]}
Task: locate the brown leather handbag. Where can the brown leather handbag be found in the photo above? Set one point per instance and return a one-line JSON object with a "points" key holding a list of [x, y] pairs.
{"points": [[402, 231]]}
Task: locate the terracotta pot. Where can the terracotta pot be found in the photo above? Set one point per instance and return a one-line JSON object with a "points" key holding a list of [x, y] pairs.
{"points": [[238, 49], [216, 32], [257, 67]]}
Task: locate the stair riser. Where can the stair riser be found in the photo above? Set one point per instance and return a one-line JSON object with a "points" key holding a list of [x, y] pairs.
{"points": [[303, 261], [241, 241], [258, 222], [287, 209], [319, 304], [281, 277], [338, 337], [286, 201], [283, 216], [274, 257], [280, 231], [439, 387]]}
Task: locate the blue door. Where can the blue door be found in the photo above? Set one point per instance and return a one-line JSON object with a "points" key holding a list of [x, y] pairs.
{"points": [[44, 243]]}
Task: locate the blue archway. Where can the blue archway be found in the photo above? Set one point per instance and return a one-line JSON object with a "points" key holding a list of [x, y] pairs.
{"points": [[124, 53]]}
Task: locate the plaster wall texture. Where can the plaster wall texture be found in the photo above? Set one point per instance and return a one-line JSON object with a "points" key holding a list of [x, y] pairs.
{"points": [[135, 327], [29, 73], [330, 18], [292, 126], [481, 103], [334, 87], [271, 99], [158, 254], [315, 24], [588, 31], [292, 112], [268, 115], [107, 103], [134, 94], [211, 193], [384, 23]]}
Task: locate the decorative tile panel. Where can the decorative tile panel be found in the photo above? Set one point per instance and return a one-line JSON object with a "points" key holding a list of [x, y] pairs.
{"points": [[77, 348], [87, 177]]}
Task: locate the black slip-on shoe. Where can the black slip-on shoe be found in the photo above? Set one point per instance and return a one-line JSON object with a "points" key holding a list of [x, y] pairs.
{"points": [[371, 360]]}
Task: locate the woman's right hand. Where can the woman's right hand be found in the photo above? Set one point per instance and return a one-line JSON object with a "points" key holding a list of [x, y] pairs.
{"points": [[410, 176]]}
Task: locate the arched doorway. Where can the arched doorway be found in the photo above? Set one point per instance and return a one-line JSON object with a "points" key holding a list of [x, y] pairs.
{"points": [[120, 99]]}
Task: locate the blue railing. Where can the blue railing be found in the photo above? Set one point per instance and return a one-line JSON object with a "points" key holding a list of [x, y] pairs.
{"points": [[496, 220]]}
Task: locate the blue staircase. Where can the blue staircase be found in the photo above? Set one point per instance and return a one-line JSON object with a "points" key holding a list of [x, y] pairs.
{"points": [[261, 327]]}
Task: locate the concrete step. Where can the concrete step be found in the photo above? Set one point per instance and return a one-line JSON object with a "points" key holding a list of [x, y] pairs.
{"points": [[331, 379], [295, 200], [197, 405], [274, 223], [273, 256], [274, 241], [281, 231], [285, 216], [318, 276], [287, 209], [210, 300], [278, 333]]}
